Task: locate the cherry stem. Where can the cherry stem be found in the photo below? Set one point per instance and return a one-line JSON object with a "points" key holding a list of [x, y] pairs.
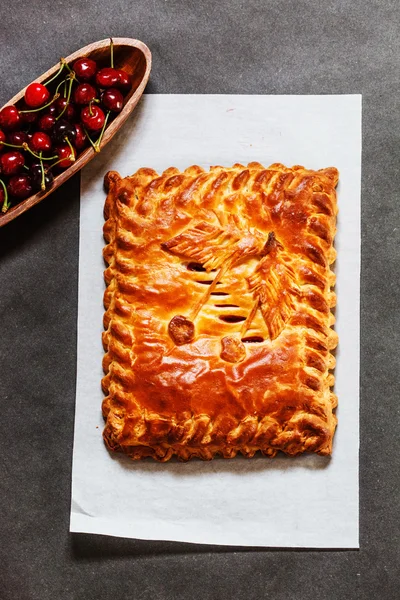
{"points": [[112, 52], [90, 139], [72, 155], [71, 81], [11, 145], [56, 163], [56, 95], [57, 74], [39, 156], [64, 62], [60, 84], [97, 144], [43, 181], [6, 204], [96, 101]]}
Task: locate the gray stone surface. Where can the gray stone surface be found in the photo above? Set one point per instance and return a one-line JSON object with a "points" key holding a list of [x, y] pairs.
{"points": [[286, 47]]}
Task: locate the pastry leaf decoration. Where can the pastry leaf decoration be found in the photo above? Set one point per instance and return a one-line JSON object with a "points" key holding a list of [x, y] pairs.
{"points": [[213, 246], [274, 287], [272, 282]]}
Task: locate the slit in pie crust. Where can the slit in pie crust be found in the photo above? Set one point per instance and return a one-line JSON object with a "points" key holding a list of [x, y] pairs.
{"points": [[218, 324]]}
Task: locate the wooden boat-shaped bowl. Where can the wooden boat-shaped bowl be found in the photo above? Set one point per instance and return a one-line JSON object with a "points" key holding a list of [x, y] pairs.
{"points": [[131, 55]]}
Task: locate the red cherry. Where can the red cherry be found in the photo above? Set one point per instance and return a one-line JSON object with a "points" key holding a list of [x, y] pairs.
{"points": [[107, 77], [81, 138], [69, 112], [17, 138], [113, 100], [84, 93], [37, 176], [11, 163], [20, 186], [94, 121], [52, 110], [40, 142], [2, 138], [10, 118], [85, 68], [46, 122], [63, 130], [64, 152], [29, 117], [36, 95], [124, 81]]}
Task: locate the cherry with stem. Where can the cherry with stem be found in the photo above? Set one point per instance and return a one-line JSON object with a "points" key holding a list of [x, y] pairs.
{"points": [[85, 69], [41, 176], [95, 101], [96, 145], [38, 156], [36, 95], [62, 159], [33, 110], [71, 78], [72, 156]]}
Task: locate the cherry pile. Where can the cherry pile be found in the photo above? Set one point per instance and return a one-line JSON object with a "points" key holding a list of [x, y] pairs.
{"points": [[48, 129]]}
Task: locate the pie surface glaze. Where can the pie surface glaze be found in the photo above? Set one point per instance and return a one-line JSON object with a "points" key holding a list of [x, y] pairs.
{"points": [[218, 324]]}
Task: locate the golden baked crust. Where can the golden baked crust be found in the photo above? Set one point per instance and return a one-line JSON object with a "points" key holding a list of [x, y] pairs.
{"points": [[218, 322]]}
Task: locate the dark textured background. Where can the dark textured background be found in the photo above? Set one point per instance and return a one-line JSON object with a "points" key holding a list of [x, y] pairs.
{"points": [[284, 47]]}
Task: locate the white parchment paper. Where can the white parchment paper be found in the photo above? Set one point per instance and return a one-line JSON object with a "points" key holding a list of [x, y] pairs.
{"points": [[308, 501]]}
